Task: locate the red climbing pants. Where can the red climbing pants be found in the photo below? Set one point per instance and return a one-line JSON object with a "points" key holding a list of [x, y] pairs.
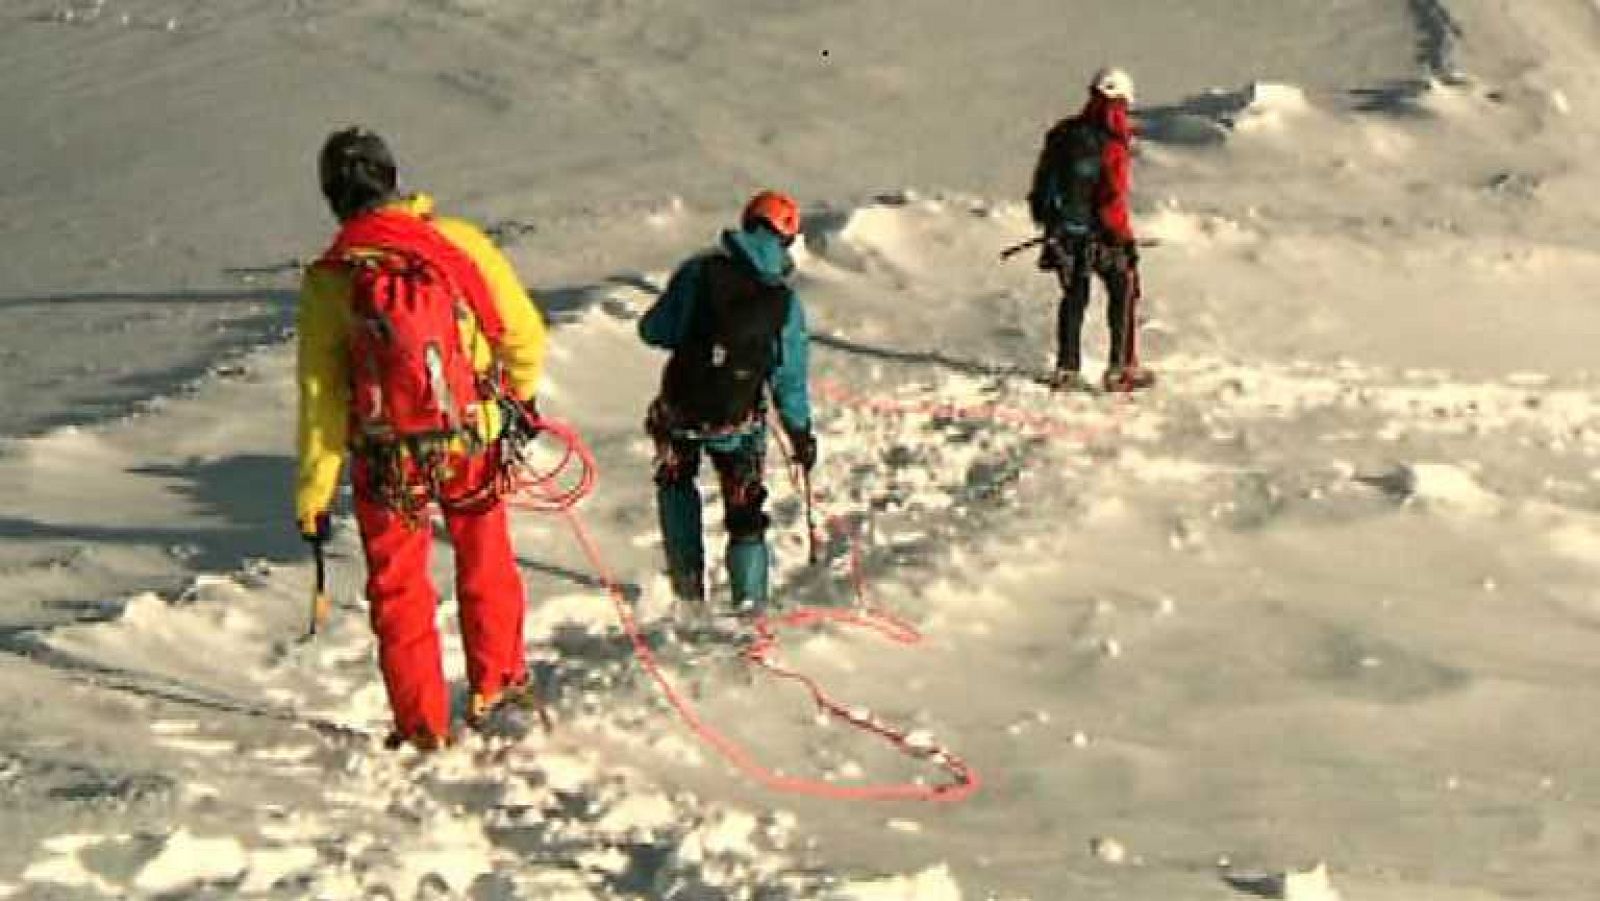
{"points": [[404, 603]]}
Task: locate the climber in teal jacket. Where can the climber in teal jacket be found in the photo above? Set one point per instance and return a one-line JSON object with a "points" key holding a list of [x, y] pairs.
{"points": [[737, 336]]}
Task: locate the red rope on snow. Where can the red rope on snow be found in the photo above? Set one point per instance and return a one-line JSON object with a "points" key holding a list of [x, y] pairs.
{"points": [[537, 491], [761, 652], [1038, 423], [735, 753]]}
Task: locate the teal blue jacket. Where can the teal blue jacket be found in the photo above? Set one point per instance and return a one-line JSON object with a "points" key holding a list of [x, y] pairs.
{"points": [[668, 321]]}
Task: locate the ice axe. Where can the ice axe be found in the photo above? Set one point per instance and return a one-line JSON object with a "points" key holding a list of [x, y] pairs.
{"points": [[813, 533], [1015, 249], [321, 605], [801, 478]]}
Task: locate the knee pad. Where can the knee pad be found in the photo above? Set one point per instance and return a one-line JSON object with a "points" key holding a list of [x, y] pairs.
{"points": [[746, 519], [676, 469], [668, 477]]}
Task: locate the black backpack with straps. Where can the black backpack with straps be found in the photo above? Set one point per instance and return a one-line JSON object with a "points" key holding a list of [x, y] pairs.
{"points": [[1063, 195], [717, 373]]}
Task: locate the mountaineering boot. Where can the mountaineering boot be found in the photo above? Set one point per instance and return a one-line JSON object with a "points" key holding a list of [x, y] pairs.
{"points": [[748, 562], [678, 504], [1069, 380], [426, 742], [483, 711], [1128, 379], [688, 588]]}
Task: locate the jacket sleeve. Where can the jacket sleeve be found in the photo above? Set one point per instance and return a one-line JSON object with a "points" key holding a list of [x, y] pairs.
{"points": [[667, 322], [323, 326], [521, 348], [790, 379], [1114, 189], [1041, 193]]}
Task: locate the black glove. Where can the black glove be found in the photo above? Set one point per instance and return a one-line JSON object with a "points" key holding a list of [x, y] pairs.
{"points": [[804, 444], [316, 529], [522, 419], [1050, 255]]}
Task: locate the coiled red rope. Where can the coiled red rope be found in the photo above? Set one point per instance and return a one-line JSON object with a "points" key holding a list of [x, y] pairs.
{"points": [[554, 489]]}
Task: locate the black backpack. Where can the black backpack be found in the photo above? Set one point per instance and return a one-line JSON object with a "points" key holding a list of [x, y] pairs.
{"points": [[1064, 182], [716, 375]]}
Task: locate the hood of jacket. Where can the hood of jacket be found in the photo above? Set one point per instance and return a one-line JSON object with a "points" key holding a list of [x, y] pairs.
{"points": [[760, 249], [1112, 115]]}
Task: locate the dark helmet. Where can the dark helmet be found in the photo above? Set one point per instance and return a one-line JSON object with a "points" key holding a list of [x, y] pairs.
{"points": [[356, 171]]}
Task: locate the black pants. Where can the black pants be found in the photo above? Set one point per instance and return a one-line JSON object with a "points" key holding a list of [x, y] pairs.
{"points": [[1073, 259]]}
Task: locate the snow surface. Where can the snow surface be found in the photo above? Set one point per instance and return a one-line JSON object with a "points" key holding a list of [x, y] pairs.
{"points": [[1315, 618]]}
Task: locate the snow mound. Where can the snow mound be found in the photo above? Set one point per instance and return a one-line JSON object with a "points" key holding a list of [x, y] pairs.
{"points": [[1288, 885], [1309, 885], [187, 861], [1436, 485], [1220, 115], [1265, 106], [932, 884]]}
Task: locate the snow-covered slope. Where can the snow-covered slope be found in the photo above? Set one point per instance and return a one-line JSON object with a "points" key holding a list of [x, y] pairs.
{"points": [[1326, 594]]}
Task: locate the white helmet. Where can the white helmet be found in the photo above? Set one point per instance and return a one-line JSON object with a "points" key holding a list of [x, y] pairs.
{"points": [[1113, 83]]}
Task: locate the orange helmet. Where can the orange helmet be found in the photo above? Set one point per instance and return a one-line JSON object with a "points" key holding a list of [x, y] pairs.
{"points": [[776, 209]]}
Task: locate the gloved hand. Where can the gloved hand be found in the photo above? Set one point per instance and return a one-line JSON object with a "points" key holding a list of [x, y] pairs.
{"points": [[804, 443], [1050, 255], [1120, 250], [317, 528], [522, 423]]}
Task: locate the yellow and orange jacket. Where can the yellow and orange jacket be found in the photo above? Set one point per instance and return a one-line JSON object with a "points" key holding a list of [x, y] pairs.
{"points": [[324, 322]]}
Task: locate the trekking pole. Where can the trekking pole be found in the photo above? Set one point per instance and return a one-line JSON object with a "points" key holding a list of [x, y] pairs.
{"points": [[321, 605], [1015, 249]]}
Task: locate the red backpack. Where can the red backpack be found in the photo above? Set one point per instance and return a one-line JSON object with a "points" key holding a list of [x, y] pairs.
{"points": [[409, 373], [412, 295]]}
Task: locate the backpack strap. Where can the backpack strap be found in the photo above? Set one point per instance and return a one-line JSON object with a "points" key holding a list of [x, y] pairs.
{"points": [[399, 231]]}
